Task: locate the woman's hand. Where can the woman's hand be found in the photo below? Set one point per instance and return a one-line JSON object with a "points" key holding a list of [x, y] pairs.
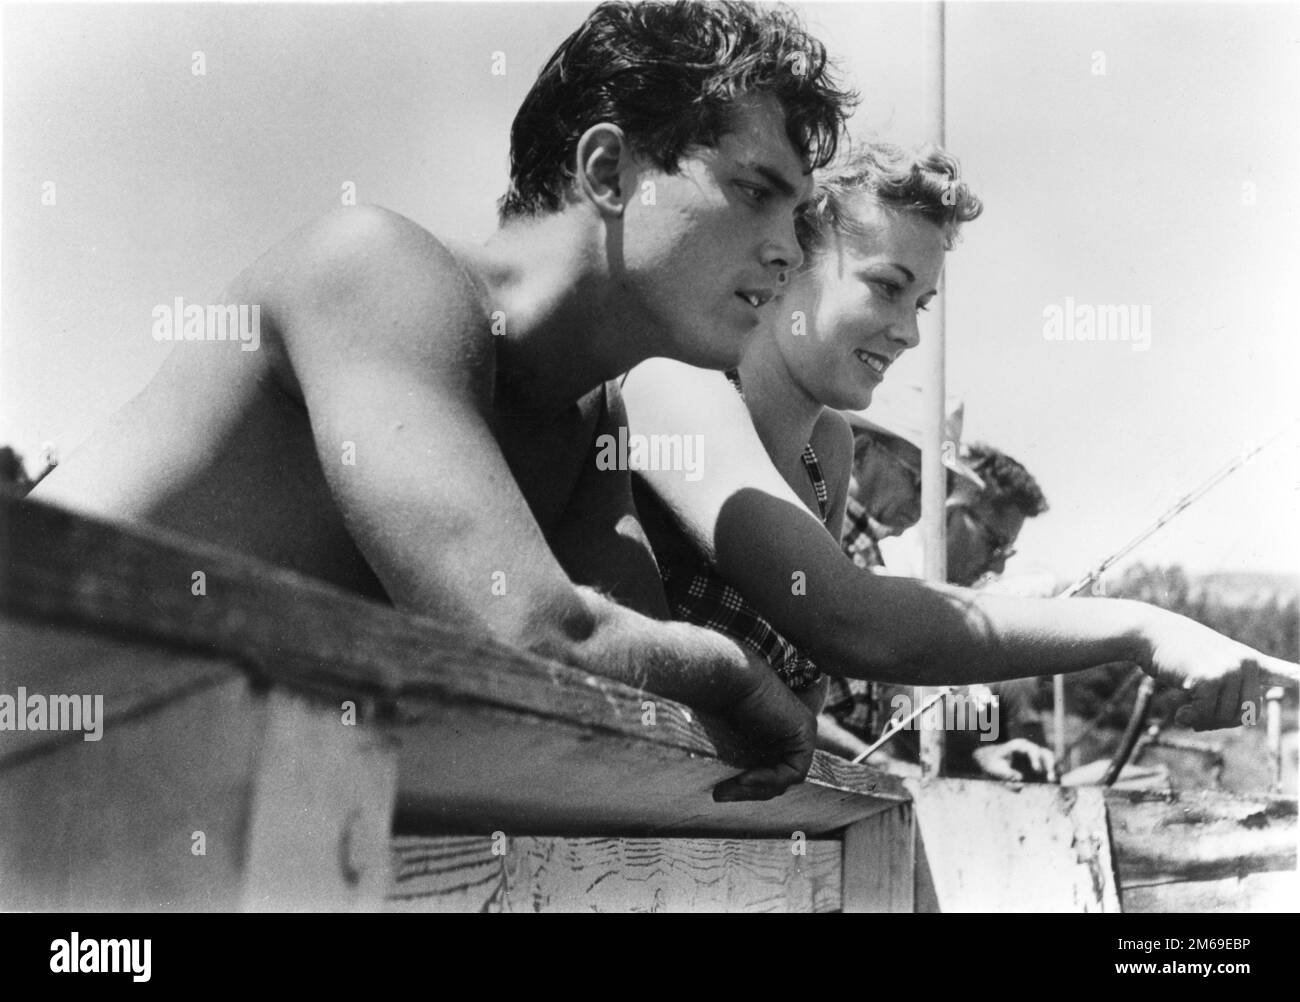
{"points": [[1219, 676]]}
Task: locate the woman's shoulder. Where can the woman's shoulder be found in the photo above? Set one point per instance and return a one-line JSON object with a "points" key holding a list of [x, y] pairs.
{"points": [[832, 440]]}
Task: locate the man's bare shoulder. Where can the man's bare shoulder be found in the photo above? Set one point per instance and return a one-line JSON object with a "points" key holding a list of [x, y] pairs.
{"points": [[366, 282]]}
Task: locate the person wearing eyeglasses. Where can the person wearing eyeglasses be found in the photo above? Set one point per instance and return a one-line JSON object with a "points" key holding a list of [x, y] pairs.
{"points": [[984, 523], [749, 547], [990, 496], [884, 496]]}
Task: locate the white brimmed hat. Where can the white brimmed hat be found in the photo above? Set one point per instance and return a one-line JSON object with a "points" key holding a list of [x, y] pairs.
{"points": [[899, 411]]}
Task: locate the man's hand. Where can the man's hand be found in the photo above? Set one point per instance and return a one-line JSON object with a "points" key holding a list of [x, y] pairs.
{"points": [[779, 728], [995, 761], [1218, 675]]}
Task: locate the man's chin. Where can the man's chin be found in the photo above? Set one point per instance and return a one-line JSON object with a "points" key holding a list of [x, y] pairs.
{"points": [[714, 357]]}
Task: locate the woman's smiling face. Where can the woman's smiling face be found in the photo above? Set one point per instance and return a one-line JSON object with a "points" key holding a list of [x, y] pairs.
{"points": [[858, 303]]}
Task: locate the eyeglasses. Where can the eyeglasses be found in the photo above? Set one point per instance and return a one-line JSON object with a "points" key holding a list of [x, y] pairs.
{"points": [[1000, 547]]}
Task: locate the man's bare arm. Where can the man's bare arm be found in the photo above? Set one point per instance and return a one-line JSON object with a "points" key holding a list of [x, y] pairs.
{"points": [[391, 352]]}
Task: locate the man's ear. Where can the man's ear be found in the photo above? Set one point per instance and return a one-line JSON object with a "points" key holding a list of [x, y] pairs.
{"points": [[605, 166]]}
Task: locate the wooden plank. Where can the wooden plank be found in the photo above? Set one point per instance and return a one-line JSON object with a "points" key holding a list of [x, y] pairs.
{"points": [[321, 812], [461, 874], [474, 770], [1199, 835], [474, 712], [203, 792], [1255, 892], [880, 862], [992, 847], [110, 825], [48, 660]]}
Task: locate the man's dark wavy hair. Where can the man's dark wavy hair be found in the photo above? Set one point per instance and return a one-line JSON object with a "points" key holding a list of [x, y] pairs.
{"points": [[667, 74], [1006, 481]]}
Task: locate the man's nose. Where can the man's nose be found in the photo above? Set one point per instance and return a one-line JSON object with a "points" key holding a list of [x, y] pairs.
{"points": [[782, 250]]}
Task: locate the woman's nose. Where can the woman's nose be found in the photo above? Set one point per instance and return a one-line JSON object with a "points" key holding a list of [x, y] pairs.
{"points": [[906, 331]]}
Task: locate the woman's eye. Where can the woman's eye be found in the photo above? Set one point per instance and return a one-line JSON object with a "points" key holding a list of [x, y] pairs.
{"points": [[923, 307], [753, 192]]}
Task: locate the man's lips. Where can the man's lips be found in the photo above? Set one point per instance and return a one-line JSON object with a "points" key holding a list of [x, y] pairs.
{"points": [[756, 297]]}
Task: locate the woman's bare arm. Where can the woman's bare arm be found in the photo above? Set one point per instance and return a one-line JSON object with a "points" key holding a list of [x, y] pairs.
{"points": [[743, 515]]}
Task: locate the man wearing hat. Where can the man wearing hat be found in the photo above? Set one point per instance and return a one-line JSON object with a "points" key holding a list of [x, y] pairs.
{"points": [[885, 488], [885, 500]]}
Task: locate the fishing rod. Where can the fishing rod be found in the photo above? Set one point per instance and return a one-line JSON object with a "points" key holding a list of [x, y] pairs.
{"points": [[1179, 506], [1146, 692]]}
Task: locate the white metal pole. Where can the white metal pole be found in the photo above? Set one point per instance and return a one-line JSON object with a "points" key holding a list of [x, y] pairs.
{"points": [[1273, 700], [933, 476]]}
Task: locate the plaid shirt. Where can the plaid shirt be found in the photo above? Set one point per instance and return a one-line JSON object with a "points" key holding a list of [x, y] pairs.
{"points": [[857, 539], [852, 701], [698, 594]]}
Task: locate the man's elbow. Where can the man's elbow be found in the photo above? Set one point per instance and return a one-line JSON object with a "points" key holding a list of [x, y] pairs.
{"points": [[562, 627]]}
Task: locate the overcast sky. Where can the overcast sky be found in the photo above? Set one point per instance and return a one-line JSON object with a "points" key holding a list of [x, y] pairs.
{"points": [[1168, 181]]}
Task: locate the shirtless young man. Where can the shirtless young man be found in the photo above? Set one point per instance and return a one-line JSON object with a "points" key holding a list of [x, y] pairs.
{"points": [[421, 414]]}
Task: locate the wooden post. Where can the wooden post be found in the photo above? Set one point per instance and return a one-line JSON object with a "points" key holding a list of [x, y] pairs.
{"points": [[880, 862], [321, 811]]}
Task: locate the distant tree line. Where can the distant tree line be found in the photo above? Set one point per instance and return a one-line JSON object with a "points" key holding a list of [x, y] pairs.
{"points": [[1270, 624]]}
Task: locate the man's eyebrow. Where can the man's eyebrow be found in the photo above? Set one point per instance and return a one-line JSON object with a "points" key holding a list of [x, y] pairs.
{"points": [[773, 177]]}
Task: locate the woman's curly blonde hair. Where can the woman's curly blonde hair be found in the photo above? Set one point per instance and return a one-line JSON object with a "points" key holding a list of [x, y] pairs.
{"points": [[924, 181]]}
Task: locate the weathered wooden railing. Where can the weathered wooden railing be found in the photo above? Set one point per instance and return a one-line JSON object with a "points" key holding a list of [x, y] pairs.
{"points": [[263, 740], [268, 741]]}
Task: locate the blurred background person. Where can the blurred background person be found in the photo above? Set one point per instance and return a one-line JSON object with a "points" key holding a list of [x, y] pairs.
{"points": [[885, 485], [990, 495]]}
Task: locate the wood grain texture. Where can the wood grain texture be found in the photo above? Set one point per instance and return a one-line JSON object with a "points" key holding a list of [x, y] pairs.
{"points": [[991, 847], [462, 874], [1255, 892], [1199, 836], [489, 735], [880, 863]]}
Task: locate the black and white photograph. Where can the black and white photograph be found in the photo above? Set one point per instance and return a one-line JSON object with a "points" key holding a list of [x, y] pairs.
{"points": [[679, 456]]}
